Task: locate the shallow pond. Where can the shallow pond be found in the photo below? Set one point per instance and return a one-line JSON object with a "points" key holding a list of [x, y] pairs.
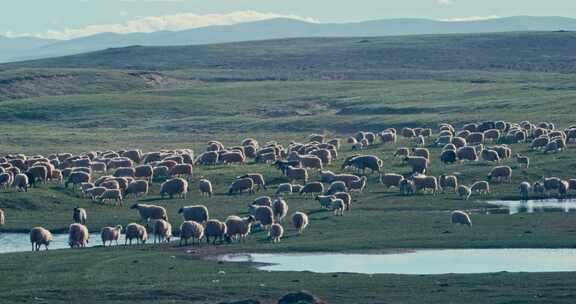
{"points": [[531, 206], [20, 242], [418, 262]]}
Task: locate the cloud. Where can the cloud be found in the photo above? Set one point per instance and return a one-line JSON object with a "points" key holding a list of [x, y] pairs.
{"points": [[471, 18], [176, 22], [444, 2]]}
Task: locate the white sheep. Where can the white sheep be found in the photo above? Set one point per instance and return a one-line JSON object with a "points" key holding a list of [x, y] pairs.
{"points": [[197, 213], [111, 194], [175, 186], [300, 221], [205, 187], [280, 208], [337, 205], [110, 234], [191, 230], [264, 215], [137, 187], [79, 215], [216, 229], [460, 217], [78, 236], [276, 233], [464, 192], [284, 188], [525, 189], [238, 228], [391, 180], [500, 173], [40, 236], [481, 187], [150, 212], [135, 231], [162, 231]]}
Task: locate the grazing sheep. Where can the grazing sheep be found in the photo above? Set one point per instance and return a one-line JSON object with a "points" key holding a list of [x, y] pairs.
{"points": [[144, 171], [262, 201], [391, 180], [490, 155], [40, 236], [464, 192], [207, 158], [523, 160], [325, 200], [500, 173], [232, 157], [461, 218], [357, 186], [327, 176], [197, 213], [78, 236], [37, 174], [257, 178], [284, 188], [150, 212], [337, 205], [137, 187], [5, 180], [135, 231], [2, 218], [312, 188], [238, 228], [160, 172], [481, 187], [175, 186], [191, 230], [124, 172], [98, 167], [205, 187], [133, 155], [264, 215], [402, 152], [21, 182], [407, 187], [109, 184], [162, 231], [422, 152], [120, 162], [551, 183], [467, 153], [448, 181], [76, 178], [425, 183], [280, 209], [346, 198], [294, 174], [110, 234], [79, 216], [475, 138], [95, 192], [539, 189], [239, 185], [362, 162], [300, 221], [215, 229], [337, 186], [563, 188], [111, 194], [419, 164], [346, 178], [540, 143], [525, 189], [324, 154], [276, 233], [387, 137]]}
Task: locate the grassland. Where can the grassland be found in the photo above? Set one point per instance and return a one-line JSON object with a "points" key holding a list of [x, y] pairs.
{"points": [[282, 90]]}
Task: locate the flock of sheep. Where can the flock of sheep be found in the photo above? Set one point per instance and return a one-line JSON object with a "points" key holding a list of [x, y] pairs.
{"points": [[134, 171]]}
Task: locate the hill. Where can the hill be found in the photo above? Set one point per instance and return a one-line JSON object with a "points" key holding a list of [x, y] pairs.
{"points": [[288, 28]]}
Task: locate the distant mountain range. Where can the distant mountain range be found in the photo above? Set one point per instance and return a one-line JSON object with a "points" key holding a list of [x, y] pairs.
{"points": [[15, 49]]}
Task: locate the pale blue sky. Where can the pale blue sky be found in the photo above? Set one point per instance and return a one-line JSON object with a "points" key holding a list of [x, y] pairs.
{"points": [[40, 16]]}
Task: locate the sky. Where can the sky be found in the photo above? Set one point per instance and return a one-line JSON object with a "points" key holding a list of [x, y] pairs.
{"points": [[64, 19]]}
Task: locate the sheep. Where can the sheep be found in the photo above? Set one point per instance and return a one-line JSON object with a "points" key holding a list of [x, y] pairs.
{"points": [[137, 187], [539, 189], [294, 174], [266, 157], [280, 209], [94, 192], [448, 181], [232, 157], [524, 189], [461, 218], [160, 172], [503, 151], [239, 185], [262, 201], [5, 180], [551, 183], [408, 133], [419, 164], [205, 187], [459, 141], [500, 173], [207, 158], [464, 192], [284, 188], [467, 153], [124, 172], [324, 154], [423, 182], [78, 236], [391, 180], [357, 186], [264, 215], [216, 229], [120, 162], [144, 171], [407, 187], [423, 152], [490, 155], [481, 187], [312, 188], [310, 162], [175, 186], [238, 228], [325, 200], [361, 162], [162, 231], [38, 174], [387, 137], [346, 198], [563, 188], [402, 152], [197, 213], [79, 215], [337, 205], [539, 142], [257, 178], [98, 167], [40, 236], [276, 233], [191, 230], [111, 194], [475, 138], [110, 234], [135, 231], [337, 186], [150, 212], [523, 160], [109, 184], [2, 218], [76, 178], [21, 182], [300, 221]]}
